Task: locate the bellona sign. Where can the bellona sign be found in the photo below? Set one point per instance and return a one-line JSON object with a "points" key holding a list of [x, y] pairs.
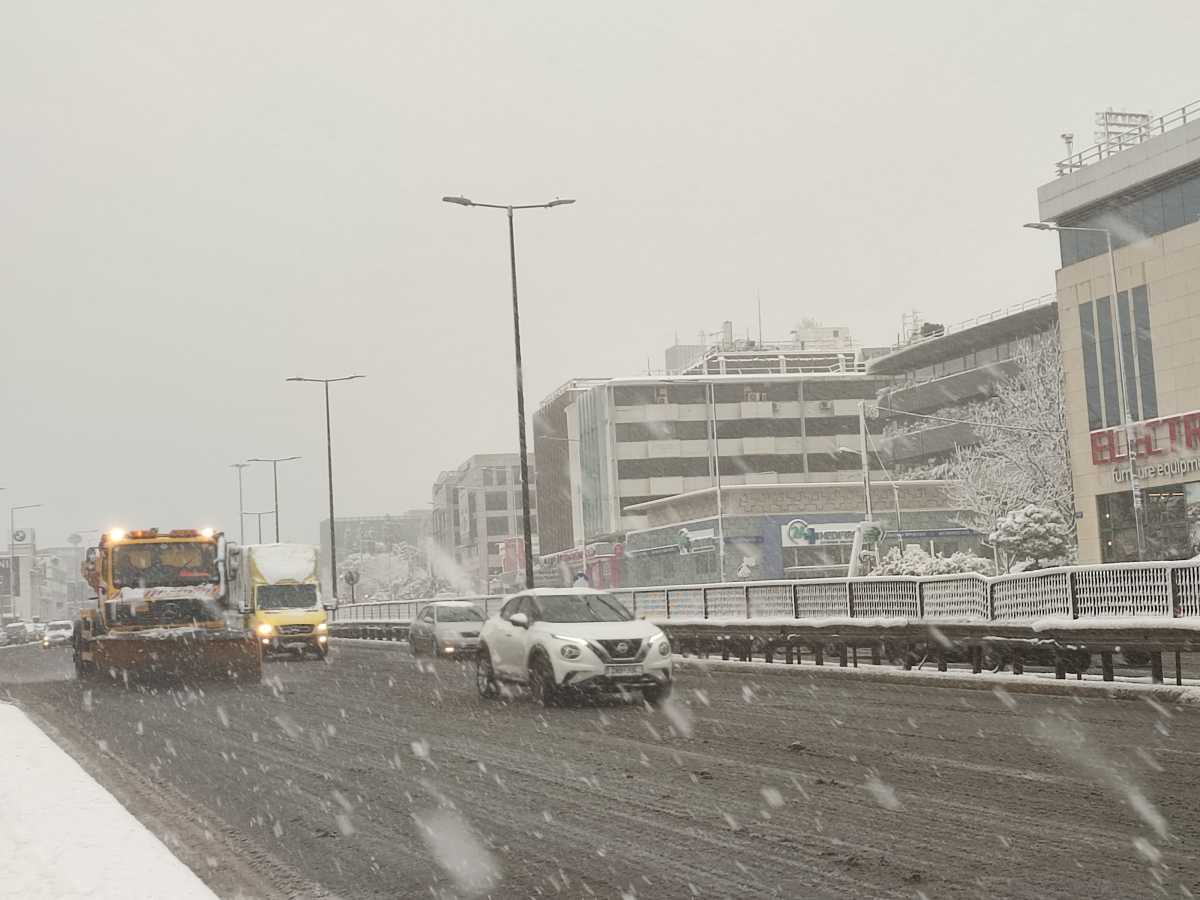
{"points": [[1162, 447]]}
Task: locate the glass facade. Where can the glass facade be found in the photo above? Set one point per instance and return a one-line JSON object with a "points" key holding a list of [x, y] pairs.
{"points": [[1100, 358], [1131, 221], [1172, 522]]}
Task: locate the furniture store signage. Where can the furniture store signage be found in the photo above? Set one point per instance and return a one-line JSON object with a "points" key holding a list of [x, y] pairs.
{"points": [[1163, 447]]}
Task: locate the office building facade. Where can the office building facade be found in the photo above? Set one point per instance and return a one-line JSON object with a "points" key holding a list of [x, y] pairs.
{"points": [[1144, 190]]}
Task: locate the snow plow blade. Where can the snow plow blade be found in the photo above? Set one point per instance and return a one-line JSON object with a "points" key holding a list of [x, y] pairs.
{"points": [[197, 653]]}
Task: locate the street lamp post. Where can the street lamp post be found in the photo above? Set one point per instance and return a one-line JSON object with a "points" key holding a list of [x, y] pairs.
{"points": [[512, 258], [241, 503], [1122, 388], [329, 457], [12, 557], [274, 461], [259, 515]]}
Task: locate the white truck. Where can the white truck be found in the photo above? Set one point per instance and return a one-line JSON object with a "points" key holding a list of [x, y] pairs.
{"points": [[278, 586]]}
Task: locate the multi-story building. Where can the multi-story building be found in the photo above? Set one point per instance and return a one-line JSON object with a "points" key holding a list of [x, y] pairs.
{"points": [[1142, 187], [555, 487], [378, 534], [477, 509], [635, 440], [812, 348], [769, 531], [941, 372]]}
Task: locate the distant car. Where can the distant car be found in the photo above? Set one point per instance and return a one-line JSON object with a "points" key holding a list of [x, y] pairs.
{"points": [[446, 628], [18, 633], [560, 641], [58, 634]]}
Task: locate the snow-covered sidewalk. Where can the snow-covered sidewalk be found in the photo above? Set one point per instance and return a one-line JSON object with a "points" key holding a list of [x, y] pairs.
{"points": [[64, 836]]}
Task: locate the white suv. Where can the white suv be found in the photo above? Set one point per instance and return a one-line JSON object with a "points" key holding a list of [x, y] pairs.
{"points": [[563, 640]]}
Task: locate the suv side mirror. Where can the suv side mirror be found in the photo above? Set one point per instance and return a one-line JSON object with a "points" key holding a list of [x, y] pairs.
{"points": [[520, 620]]}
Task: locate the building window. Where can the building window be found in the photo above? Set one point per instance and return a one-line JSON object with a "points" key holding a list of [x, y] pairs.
{"points": [[1091, 373], [1145, 352], [1100, 358], [495, 501], [1148, 216], [498, 526], [1167, 532], [755, 394], [661, 394]]}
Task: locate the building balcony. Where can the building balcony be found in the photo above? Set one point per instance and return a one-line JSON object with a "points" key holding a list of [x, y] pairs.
{"points": [[935, 441], [937, 393]]}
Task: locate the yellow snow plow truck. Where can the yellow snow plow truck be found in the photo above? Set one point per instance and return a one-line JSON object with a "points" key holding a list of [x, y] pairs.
{"points": [[162, 607]]}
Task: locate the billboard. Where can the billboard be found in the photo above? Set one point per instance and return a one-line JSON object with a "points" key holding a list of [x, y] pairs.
{"points": [[10, 576]]}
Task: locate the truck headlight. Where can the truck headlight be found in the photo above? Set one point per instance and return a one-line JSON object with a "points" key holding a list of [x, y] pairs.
{"points": [[569, 651], [322, 628], [265, 629]]}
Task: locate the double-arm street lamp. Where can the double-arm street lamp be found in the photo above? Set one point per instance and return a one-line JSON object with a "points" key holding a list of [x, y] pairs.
{"points": [[512, 258], [258, 515], [329, 457], [1123, 400], [274, 461]]}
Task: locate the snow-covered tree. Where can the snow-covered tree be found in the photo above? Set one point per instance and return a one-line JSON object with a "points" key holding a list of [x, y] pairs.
{"points": [[1034, 536], [1022, 456], [916, 561]]}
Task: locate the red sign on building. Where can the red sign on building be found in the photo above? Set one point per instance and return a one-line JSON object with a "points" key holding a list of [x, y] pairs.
{"points": [[1152, 437]]}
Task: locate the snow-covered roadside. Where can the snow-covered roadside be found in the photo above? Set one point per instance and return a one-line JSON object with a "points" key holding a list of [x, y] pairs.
{"points": [[64, 836], [1030, 682]]}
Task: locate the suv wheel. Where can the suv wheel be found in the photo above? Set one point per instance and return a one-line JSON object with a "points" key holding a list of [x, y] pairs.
{"points": [[542, 685], [485, 676]]}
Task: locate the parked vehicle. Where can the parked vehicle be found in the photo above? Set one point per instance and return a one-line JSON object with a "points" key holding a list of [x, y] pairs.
{"points": [[58, 634], [18, 633], [446, 628], [562, 641]]}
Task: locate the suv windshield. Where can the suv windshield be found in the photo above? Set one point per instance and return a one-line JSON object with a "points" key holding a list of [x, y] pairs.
{"points": [[164, 565], [458, 614], [287, 596], [581, 608]]}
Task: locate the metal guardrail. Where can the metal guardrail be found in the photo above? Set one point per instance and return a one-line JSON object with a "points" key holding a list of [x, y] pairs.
{"points": [[1131, 138], [1148, 592]]}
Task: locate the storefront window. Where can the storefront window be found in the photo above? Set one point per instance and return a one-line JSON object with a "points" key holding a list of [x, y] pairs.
{"points": [[1171, 518]]}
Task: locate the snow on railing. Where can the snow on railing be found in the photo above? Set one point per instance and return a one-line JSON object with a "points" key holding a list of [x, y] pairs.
{"points": [[1149, 591]]}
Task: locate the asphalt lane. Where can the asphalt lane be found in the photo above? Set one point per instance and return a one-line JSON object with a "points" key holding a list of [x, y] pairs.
{"points": [[377, 775]]}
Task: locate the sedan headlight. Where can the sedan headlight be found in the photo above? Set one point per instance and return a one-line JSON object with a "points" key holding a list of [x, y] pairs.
{"points": [[265, 629], [322, 628]]}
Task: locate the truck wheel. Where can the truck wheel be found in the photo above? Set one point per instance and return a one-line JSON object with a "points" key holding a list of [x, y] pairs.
{"points": [[84, 669]]}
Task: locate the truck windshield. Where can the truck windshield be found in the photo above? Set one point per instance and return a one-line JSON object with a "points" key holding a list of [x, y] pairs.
{"points": [[287, 596], [164, 565]]}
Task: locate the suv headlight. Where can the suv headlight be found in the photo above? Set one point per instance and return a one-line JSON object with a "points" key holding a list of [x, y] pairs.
{"points": [[322, 628], [570, 651], [265, 629], [660, 641]]}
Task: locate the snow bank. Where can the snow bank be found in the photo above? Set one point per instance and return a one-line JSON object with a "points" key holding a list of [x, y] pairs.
{"points": [[791, 622], [63, 836], [1112, 623]]}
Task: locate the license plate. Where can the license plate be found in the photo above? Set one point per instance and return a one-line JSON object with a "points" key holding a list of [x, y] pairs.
{"points": [[623, 670]]}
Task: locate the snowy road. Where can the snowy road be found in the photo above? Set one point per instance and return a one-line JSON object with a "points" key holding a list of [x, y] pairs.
{"points": [[379, 776]]}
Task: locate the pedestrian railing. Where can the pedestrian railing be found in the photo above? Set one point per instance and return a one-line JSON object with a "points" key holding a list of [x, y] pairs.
{"points": [[1161, 590], [1144, 591]]}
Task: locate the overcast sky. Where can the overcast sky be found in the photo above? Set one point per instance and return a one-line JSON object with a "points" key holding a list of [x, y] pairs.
{"points": [[202, 199]]}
